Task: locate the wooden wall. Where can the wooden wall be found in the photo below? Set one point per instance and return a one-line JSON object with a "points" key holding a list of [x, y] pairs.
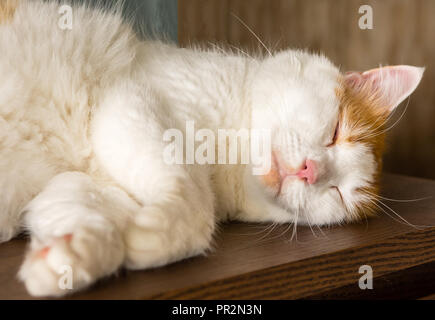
{"points": [[404, 33]]}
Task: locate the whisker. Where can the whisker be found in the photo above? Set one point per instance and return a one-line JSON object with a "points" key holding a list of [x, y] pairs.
{"points": [[402, 220], [392, 126], [221, 50], [242, 51], [372, 129], [311, 228], [263, 229], [258, 241], [392, 217], [282, 233], [295, 228], [322, 232], [399, 200], [252, 32]]}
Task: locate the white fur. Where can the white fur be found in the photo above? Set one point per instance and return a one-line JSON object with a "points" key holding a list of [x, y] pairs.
{"points": [[82, 116]]}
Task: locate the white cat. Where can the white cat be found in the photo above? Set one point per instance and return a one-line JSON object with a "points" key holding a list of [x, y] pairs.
{"points": [[82, 118]]}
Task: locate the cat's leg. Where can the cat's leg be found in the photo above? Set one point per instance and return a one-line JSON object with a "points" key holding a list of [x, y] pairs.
{"points": [[76, 234], [176, 224], [177, 218]]}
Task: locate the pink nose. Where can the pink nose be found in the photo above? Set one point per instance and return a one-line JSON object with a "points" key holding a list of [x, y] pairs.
{"points": [[308, 172]]}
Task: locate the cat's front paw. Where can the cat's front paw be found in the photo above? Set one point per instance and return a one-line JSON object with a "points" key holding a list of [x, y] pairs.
{"points": [[67, 264], [43, 267]]}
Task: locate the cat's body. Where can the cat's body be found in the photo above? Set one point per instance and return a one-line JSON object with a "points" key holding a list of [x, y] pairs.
{"points": [[83, 113]]}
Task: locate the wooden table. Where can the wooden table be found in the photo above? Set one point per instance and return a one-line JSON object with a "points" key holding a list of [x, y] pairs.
{"points": [[254, 262]]}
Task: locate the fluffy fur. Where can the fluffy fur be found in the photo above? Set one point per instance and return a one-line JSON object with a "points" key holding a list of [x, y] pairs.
{"points": [[82, 116]]}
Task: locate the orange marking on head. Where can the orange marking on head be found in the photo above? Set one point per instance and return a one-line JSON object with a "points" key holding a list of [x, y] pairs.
{"points": [[7, 10], [363, 120]]}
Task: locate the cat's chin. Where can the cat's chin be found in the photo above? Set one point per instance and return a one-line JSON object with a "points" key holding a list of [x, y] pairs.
{"points": [[306, 212]]}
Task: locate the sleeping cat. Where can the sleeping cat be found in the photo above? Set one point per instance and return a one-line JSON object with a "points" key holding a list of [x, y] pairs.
{"points": [[83, 113]]}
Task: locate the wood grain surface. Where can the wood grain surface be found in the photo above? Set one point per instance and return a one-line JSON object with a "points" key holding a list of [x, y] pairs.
{"points": [[403, 33], [251, 261]]}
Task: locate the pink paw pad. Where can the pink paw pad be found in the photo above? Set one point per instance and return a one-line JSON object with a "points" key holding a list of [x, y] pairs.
{"points": [[44, 251], [68, 237]]}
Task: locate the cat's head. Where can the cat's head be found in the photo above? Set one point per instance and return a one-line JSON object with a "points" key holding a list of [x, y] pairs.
{"points": [[328, 132]]}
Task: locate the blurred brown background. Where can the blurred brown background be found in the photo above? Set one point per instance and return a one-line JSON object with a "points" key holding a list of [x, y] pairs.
{"points": [[403, 33]]}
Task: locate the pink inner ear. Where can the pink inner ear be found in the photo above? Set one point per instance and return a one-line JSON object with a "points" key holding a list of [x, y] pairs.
{"points": [[353, 79], [391, 85]]}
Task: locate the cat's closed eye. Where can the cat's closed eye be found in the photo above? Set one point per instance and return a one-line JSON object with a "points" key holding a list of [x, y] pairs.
{"points": [[335, 136]]}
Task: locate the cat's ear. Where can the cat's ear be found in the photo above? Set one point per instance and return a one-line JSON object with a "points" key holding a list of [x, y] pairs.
{"points": [[388, 85]]}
